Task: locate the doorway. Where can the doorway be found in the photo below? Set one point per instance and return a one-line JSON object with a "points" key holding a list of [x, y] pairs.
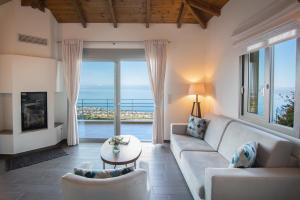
{"points": [[115, 99]]}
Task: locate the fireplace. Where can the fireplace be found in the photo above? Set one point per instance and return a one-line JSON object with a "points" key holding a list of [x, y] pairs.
{"points": [[34, 110]]}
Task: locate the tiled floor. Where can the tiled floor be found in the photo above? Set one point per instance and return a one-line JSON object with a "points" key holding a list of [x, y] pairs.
{"points": [[143, 131], [42, 181]]}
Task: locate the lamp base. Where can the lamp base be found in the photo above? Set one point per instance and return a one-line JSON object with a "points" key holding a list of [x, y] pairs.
{"points": [[196, 110]]}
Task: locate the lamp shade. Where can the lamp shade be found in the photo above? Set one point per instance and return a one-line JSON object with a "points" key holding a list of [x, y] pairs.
{"points": [[197, 88]]}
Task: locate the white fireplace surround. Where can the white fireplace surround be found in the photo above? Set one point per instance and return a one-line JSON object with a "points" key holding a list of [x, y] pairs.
{"points": [[26, 74]]}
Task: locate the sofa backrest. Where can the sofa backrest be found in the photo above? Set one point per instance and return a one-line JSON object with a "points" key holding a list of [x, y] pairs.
{"points": [[215, 130], [272, 151]]}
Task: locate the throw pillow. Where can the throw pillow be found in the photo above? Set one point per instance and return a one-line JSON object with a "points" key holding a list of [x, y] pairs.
{"points": [[196, 127], [109, 173], [244, 156]]}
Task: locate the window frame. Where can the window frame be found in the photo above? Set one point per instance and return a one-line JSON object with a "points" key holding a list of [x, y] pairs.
{"points": [[266, 120]]}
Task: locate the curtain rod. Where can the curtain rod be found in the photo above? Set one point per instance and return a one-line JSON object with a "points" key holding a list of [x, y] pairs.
{"points": [[113, 42]]}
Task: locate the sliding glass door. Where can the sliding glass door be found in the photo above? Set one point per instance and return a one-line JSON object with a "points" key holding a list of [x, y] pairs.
{"points": [[96, 102], [136, 100], [115, 98]]}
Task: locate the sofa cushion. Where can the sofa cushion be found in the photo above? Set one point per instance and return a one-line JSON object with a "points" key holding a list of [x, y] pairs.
{"points": [[244, 156], [194, 163], [108, 173], [196, 127], [180, 143], [214, 132], [272, 151]]}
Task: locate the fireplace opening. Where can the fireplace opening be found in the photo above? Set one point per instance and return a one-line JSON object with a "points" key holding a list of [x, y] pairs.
{"points": [[34, 110]]}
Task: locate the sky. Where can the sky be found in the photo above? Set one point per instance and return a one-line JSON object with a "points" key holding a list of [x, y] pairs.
{"points": [[284, 71], [285, 64], [96, 73]]}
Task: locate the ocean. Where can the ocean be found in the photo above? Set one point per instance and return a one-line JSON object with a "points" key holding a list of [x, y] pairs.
{"points": [[133, 98], [140, 98]]}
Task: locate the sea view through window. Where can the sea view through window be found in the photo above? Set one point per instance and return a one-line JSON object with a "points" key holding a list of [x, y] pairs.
{"points": [[269, 79], [97, 105]]}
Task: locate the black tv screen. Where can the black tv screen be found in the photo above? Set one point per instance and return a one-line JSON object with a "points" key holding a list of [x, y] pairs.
{"points": [[34, 110]]}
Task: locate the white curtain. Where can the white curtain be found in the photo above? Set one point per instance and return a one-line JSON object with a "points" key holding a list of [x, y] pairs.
{"points": [[72, 58], [156, 56]]}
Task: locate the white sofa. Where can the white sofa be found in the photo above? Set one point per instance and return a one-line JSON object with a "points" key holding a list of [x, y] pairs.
{"points": [[204, 163], [134, 186]]}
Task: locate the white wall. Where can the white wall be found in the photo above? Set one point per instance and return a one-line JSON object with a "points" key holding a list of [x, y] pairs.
{"points": [[5, 74], [185, 63], [7, 33], [60, 111], [27, 67], [29, 74], [222, 57], [15, 19], [44, 71], [5, 112]]}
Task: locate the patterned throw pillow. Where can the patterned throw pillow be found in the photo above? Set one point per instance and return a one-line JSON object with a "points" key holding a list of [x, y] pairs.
{"points": [[109, 173], [196, 127], [244, 156]]}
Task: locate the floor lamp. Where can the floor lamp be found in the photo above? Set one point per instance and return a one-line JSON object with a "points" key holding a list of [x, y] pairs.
{"points": [[196, 89]]}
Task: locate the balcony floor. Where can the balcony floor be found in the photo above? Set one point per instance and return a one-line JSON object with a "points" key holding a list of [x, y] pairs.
{"points": [[96, 130]]}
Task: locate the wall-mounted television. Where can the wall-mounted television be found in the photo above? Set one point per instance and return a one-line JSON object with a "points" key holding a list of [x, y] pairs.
{"points": [[34, 110]]}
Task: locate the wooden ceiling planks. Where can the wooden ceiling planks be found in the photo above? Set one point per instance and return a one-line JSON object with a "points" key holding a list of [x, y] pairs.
{"points": [[132, 11]]}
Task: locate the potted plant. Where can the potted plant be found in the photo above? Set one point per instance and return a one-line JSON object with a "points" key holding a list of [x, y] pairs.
{"points": [[116, 141]]}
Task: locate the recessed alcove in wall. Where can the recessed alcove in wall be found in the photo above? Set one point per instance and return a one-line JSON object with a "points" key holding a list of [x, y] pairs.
{"points": [[6, 113]]}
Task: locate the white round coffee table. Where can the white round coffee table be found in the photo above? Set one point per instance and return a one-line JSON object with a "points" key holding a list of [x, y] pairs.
{"points": [[129, 153]]}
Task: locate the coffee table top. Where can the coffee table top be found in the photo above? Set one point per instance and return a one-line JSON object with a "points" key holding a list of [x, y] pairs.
{"points": [[128, 153]]}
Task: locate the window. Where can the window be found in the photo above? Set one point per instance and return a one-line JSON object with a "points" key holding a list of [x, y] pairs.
{"points": [[256, 81], [268, 81], [284, 82]]}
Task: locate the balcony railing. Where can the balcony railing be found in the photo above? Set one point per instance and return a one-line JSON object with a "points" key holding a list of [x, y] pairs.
{"points": [[104, 109]]}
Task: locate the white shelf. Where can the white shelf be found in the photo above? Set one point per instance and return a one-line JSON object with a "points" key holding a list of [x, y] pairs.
{"points": [[57, 124]]}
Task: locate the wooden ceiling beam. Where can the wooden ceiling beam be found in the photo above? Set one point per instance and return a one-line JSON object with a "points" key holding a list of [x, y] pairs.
{"points": [[196, 14], [112, 13], [181, 14], [79, 11], [4, 1], [148, 12], [35, 4], [205, 7]]}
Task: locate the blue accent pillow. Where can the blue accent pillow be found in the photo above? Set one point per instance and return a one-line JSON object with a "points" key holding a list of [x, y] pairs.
{"points": [[244, 156], [196, 127], [109, 173]]}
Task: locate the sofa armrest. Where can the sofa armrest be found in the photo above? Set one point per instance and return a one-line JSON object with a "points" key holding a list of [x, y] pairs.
{"points": [[178, 128], [252, 183]]}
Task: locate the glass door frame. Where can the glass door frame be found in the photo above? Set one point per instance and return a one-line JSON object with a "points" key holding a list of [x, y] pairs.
{"points": [[117, 120], [115, 76], [117, 96]]}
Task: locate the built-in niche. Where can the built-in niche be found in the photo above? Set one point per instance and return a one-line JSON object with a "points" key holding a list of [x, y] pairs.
{"points": [[6, 113], [34, 110]]}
